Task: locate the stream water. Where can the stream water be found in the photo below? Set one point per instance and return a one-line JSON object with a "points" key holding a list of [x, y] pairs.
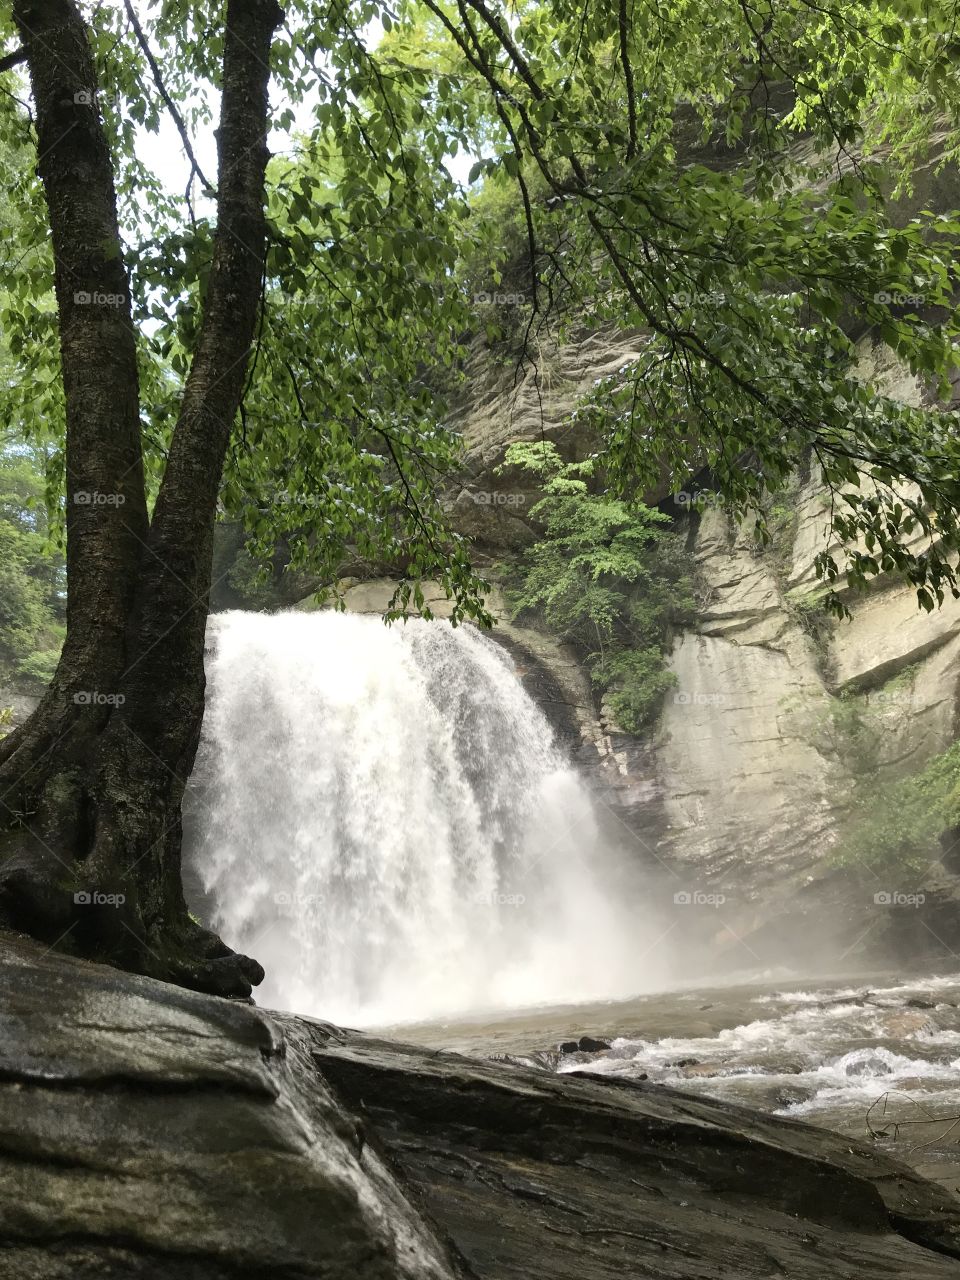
{"points": [[383, 820], [875, 1057]]}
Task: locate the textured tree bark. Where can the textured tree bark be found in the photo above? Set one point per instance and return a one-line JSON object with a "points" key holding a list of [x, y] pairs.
{"points": [[92, 784], [106, 508]]}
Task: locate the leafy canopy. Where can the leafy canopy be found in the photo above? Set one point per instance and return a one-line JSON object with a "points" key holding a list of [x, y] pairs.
{"points": [[340, 444], [698, 171], [691, 169]]}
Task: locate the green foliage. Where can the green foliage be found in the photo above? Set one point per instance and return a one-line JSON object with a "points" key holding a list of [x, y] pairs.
{"points": [[850, 730], [889, 823], [251, 581], [345, 452], [32, 600], [635, 681], [911, 87], [340, 450], [903, 680], [810, 609], [782, 518], [606, 576], [662, 190], [896, 825], [652, 149], [37, 668]]}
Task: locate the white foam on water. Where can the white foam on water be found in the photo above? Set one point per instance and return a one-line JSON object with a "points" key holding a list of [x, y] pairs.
{"points": [[807, 1031], [810, 997], [804, 1050], [861, 1076]]}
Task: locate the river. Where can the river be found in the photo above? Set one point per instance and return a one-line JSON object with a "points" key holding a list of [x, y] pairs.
{"points": [[876, 1057]]}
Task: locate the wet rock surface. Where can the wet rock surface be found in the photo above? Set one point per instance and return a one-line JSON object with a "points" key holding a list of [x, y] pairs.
{"points": [[571, 1176], [146, 1131]]}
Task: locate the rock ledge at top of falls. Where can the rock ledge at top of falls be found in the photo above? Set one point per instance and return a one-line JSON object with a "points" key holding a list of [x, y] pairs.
{"points": [[151, 1132]]}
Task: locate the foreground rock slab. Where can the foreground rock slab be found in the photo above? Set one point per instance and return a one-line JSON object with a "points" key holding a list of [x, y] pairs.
{"points": [[539, 1175], [147, 1131]]}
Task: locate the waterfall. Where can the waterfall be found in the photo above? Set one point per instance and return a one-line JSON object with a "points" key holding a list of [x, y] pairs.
{"points": [[386, 824]]}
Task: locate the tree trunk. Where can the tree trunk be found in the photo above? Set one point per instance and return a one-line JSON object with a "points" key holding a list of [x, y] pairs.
{"points": [[93, 782], [106, 512]]}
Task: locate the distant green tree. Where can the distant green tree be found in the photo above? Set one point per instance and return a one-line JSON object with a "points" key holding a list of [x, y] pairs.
{"points": [[32, 575]]}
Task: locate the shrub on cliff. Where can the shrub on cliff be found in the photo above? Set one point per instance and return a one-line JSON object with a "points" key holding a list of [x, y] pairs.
{"points": [[608, 576]]}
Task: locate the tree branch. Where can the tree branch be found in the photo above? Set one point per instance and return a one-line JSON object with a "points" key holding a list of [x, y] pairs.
{"points": [[14, 59], [167, 100], [623, 28]]}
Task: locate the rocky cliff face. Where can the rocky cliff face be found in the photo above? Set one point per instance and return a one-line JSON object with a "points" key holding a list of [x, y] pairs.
{"points": [[755, 779], [740, 789], [754, 775]]}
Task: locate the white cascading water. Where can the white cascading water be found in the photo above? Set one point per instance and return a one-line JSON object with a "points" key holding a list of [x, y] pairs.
{"points": [[388, 827]]}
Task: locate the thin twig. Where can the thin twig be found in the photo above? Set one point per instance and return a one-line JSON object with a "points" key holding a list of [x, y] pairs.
{"points": [[168, 101]]}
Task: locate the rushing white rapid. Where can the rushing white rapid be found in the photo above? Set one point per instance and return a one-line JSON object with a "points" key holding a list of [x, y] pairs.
{"points": [[388, 827], [875, 1058]]}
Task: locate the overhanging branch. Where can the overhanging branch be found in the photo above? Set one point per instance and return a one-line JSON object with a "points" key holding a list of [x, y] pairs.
{"points": [[14, 59]]}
